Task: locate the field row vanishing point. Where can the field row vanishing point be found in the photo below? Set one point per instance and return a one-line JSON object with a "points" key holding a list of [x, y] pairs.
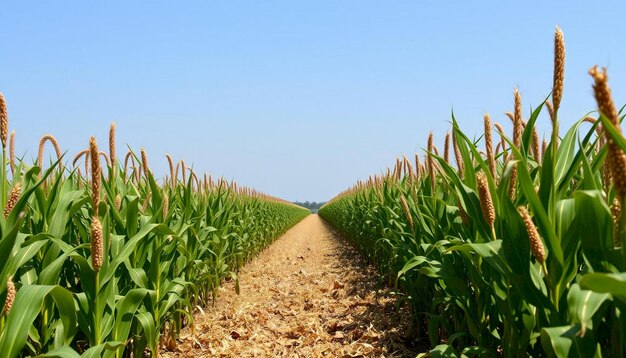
{"points": [[498, 245]]}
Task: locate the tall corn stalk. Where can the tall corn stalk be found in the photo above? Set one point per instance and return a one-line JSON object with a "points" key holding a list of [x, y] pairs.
{"points": [[113, 265], [512, 253]]}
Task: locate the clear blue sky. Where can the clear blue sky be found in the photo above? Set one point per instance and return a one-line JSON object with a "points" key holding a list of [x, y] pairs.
{"points": [[298, 99]]}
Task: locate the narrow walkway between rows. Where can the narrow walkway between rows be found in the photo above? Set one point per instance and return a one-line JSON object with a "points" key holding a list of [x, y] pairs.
{"points": [[308, 295]]}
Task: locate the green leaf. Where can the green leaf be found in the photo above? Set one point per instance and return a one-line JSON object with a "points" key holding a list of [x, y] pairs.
{"points": [[27, 305], [62, 352], [149, 328], [613, 283], [592, 228], [565, 341], [583, 305], [101, 349], [490, 251]]}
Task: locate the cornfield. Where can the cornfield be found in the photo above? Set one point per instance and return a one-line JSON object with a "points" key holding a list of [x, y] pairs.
{"points": [[514, 251], [113, 265]]}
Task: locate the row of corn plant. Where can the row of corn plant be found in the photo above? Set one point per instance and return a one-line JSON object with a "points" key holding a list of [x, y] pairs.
{"points": [[108, 262], [515, 251]]}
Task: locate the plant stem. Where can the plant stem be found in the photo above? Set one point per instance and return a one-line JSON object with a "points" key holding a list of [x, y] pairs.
{"points": [[97, 313]]}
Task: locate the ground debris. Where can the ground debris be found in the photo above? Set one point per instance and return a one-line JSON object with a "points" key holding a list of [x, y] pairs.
{"points": [[300, 302]]}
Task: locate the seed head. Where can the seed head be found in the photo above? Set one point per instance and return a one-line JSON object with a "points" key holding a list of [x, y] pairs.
{"points": [[106, 158], [590, 119], [144, 162], [501, 132], [79, 176], [600, 143], [603, 95], [498, 146], [457, 155], [409, 169], [486, 203], [11, 292], [616, 158], [118, 202], [407, 211], [417, 167], [146, 202], [511, 117], [405, 165], [429, 161], [559, 68], [55, 144], [79, 155], [397, 170], [112, 153], [550, 111], [171, 163], [512, 183], [96, 174], [4, 121], [96, 244], [12, 152], [87, 166], [606, 174], [195, 179], [14, 196], [616, 210], [535, 147], [517, 119], [446, 148], [183, 167], [489, 145], [536, 245], [128, 158], [517, 137], [166, 204]]}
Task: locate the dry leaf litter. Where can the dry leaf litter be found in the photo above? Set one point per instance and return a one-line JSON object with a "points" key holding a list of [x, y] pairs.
{"points": [[308, 295]]}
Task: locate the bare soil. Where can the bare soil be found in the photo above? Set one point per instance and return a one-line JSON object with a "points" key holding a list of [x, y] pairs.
{"points": [[310, 294]]}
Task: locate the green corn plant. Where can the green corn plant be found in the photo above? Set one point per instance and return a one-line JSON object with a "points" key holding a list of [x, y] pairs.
{"points": [[113, 265], [514, 253]]}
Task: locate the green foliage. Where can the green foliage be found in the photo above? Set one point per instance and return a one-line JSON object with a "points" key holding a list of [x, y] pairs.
{"points": [[155, 268], [477, 290]]}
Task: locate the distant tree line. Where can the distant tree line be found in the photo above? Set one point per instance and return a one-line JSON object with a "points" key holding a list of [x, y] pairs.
{"points": [[313, 206]]}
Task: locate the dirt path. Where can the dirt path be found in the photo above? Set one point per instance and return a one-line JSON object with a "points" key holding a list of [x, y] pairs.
{"points": [[308, 295]]}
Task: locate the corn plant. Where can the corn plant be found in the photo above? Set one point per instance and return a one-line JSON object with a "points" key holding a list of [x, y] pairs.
{"points": [[113, 265], [515, 251]]}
